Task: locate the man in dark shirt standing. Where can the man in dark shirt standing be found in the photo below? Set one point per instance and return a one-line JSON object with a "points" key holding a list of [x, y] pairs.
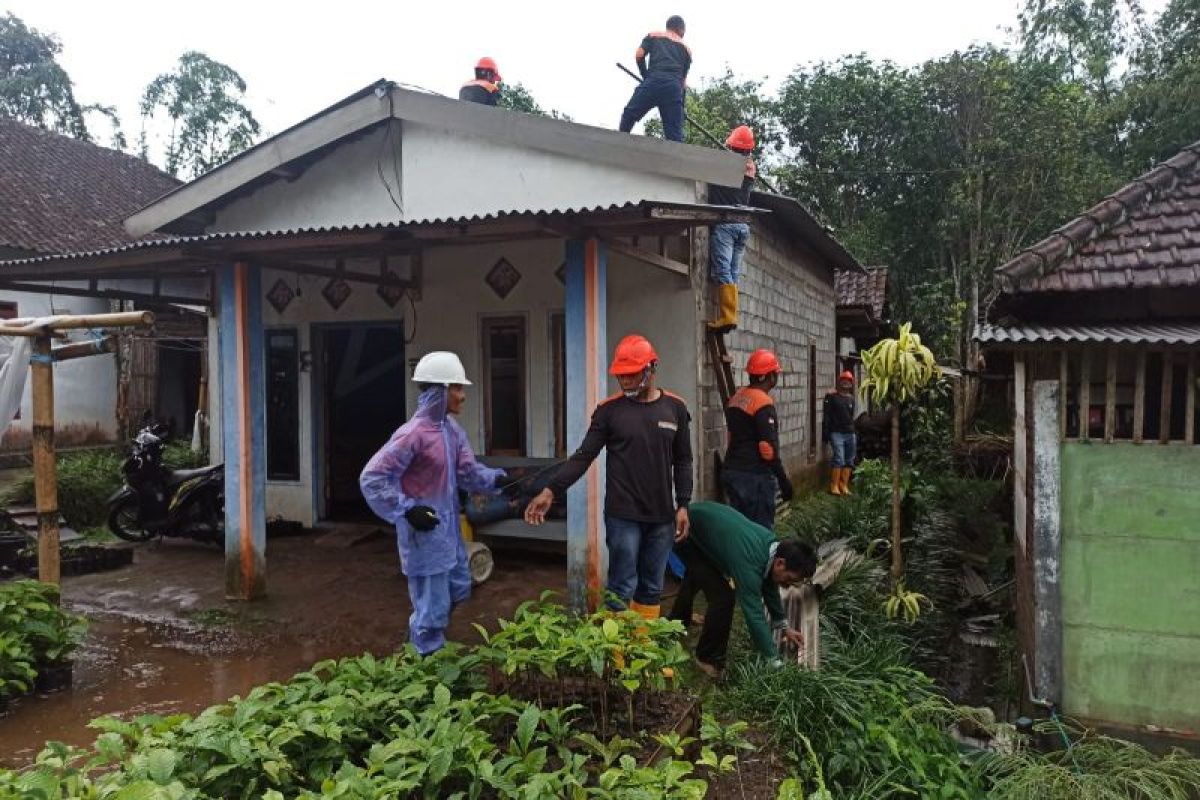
{"points": [[485, 89], [752, 465], [663, 81], [649, 483], [727, 241], [837, 428]]}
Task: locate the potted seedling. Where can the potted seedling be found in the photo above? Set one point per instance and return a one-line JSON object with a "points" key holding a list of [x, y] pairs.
{"points": [[16, 668], [52, 634]]}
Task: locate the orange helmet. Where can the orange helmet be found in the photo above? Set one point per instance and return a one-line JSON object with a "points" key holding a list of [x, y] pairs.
{"points": [[846, 375], [488, 63], [741, 138], [762, 362], [634, 354]]}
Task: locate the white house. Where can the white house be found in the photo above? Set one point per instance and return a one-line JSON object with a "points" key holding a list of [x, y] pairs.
{"points": [[393, 223]]}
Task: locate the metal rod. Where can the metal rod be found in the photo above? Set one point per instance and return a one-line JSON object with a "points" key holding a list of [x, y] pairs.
{"points": [[707, 133]]}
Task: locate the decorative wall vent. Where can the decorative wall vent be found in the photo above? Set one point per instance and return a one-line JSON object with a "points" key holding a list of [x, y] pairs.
{"points": [[392, 292], [336, 292], [280, 296], [503, 278], [561, 273]]}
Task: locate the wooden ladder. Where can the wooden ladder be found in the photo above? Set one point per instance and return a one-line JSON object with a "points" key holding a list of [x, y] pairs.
{"points": [[721, 362]]}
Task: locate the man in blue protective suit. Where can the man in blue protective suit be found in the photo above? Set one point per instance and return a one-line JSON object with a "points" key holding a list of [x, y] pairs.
{"points": [[413, 482]]}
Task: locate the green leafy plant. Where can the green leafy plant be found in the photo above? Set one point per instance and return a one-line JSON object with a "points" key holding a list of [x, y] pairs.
{"points": [[1094, 767], [898, 370]]}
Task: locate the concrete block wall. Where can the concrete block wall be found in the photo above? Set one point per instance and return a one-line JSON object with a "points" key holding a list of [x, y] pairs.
{"points": [[787, 302]]}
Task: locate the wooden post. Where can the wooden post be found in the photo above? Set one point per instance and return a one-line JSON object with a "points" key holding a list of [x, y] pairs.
{"points": [[1063, 379], [1189, 423], [1110, 395], [1085, 394], [586, 341], [1139, 398], [1164, 416], [45, 480]]}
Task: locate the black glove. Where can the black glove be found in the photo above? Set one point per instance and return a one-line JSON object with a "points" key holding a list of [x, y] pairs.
{"points": [[786, 491], [422, 518]]}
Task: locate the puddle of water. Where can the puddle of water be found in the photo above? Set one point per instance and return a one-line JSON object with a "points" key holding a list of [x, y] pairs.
{"points": [[130, 668]]}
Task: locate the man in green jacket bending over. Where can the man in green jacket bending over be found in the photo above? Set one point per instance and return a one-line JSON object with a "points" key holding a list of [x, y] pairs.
{"points": [[725, 545]]}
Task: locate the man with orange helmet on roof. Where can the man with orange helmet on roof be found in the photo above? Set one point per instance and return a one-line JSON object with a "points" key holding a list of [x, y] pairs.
{"points": [[646, 431], [664, 80], [727, 241], [837, 429], [752, 466], [485, 89]]}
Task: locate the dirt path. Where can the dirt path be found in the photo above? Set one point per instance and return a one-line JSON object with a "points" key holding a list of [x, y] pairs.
{"points": [[163, 638]]}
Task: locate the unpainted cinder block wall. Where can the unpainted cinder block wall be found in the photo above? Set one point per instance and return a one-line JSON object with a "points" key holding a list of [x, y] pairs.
{"points": [[787, 304]]}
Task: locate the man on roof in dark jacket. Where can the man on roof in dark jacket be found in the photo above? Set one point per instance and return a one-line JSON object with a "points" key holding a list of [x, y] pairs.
{"points": [[664, 80], [724, 546]]}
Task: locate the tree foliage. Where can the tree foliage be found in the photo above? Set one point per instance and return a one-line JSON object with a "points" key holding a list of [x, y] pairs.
{"points": [[202, 100], [515, 97], [34, 87]]}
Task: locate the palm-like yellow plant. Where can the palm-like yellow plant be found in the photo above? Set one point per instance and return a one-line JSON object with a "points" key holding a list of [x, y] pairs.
{"points": [[898, 370]]}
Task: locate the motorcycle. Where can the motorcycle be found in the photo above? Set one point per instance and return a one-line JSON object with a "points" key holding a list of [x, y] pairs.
{"points": [[156, 501]]}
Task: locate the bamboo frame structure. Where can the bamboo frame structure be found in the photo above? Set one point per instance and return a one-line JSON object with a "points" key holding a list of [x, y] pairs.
{"points": [[41, 366]]}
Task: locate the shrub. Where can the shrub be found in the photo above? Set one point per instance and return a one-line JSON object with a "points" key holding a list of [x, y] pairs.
{"points": [[875, 728], [1094, 767], [86, 479]]}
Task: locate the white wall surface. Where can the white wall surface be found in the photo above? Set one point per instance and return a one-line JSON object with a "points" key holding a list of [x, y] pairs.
{"points": [[85, 389], [433, 173]]}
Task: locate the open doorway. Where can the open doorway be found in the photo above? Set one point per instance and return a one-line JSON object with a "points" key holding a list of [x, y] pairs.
{"points": [[361, 392]]}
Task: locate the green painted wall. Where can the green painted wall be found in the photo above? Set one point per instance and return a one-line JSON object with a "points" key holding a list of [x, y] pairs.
{"points": [[1131, 583]]}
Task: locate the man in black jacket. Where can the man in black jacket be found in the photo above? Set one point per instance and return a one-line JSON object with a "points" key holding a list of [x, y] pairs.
{"points": [[664, 80], [837, 429], [485, 89], [752, 467], [649, 477]]}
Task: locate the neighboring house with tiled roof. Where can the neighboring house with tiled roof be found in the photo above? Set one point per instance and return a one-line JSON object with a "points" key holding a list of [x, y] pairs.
{"points": [[1101, 320], [862, 310], [58, 195]]}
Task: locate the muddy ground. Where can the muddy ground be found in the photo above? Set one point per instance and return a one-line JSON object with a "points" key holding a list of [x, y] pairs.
{"points": [[163, 638]]}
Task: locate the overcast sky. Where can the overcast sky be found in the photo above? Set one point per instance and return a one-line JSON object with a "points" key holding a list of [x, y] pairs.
{"points": [[299, 58]]}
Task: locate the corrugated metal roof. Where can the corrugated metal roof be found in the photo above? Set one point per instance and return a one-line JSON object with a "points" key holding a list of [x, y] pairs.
{"points": [[1118, 333], [236, 236]]}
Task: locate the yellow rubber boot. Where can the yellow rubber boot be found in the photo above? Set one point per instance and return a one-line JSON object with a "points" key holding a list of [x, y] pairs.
{"points": [[835, 480], [647, 612], [844, 482], [727, 296]]}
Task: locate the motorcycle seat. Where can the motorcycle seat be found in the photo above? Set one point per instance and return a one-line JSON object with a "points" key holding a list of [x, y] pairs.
{"points": [[181, 475]]}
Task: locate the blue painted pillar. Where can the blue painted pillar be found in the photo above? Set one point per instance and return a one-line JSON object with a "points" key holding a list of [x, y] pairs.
{"points": [[243, 429], [586, 309]]}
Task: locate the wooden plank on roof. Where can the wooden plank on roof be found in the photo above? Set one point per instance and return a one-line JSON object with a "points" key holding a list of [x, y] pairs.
{"points": [[647, 257]]}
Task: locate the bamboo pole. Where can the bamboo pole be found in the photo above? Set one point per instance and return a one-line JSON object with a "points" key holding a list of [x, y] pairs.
{"points": [[81, 349], [44, 474], [1063, 382], [897, 556], [1085, 395]]}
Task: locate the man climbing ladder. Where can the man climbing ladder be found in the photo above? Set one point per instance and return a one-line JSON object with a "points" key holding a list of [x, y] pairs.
{"points": [[727, 241]]}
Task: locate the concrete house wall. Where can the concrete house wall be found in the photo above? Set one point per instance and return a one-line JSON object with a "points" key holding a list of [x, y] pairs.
{"points": [[787, 304]]}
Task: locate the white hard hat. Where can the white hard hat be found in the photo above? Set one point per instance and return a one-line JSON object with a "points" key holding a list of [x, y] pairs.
{"points": [[442, 368]]}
